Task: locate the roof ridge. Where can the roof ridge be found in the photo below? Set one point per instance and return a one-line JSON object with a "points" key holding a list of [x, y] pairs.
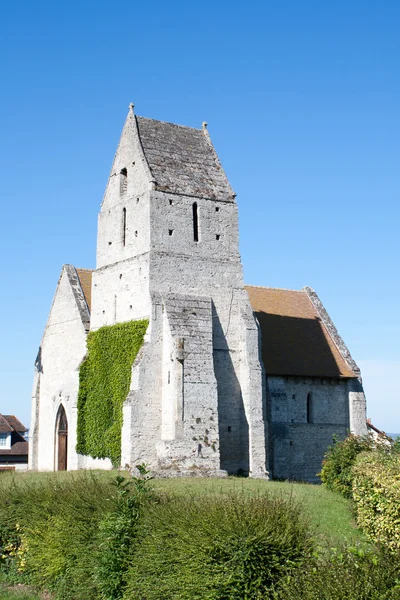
{"points": [[170, 123], [81, 269], [266, 287]]}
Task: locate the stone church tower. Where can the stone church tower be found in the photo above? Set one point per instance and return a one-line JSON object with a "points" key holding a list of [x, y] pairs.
{"points": [[168, 249], [229, 378]]}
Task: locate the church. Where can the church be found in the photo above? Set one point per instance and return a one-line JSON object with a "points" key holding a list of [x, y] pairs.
{"points": [[229, 378]]}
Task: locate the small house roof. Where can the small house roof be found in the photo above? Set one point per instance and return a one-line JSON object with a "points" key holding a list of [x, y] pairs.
{"points": [[18, 449], [15, 423], [5, 426]]}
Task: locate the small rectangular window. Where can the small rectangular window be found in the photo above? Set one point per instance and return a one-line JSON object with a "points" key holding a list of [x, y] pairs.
{"points": [[3, 439]]}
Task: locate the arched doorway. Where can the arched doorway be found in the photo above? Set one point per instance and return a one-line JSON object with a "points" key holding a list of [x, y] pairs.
{"points": [[61, 439]]}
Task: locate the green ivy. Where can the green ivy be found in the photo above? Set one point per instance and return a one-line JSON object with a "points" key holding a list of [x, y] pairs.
{"points": [[104, 381]]}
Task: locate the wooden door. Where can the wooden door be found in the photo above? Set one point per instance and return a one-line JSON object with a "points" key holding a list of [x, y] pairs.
{"points": [[61, 439], [62, 450]]}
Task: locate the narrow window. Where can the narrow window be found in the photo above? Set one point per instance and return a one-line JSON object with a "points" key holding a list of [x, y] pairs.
{"points": [[195, 223], [123, 181], [217, 237], [124, 226], [309, 408], [170, 231]]}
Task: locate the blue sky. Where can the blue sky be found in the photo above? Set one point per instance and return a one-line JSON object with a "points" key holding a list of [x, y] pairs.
{"points": [[302, 101]]}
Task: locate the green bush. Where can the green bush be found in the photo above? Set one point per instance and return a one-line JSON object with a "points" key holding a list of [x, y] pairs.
{"points": [[376, 493], [347, 574], [336, 473], [72, 535], [220, 547], [118, 533], [104, 381], [57, 522]]}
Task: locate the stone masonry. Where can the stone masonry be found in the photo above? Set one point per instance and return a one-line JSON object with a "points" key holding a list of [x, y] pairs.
{"points": [[222, 383]]}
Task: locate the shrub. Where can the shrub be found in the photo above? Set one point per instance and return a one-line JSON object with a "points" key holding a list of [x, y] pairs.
{"points": [[336, 473], [347, 574], [53, 525], [221, 547], [376, 492], [118, 533]]}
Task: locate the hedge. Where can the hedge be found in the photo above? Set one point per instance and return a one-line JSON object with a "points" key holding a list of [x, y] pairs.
{"points": [[376, 492], [104, 381]]}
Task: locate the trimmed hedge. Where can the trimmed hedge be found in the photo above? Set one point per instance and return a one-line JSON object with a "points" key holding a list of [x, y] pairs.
{"points": [[104, 381], [376, 492]]}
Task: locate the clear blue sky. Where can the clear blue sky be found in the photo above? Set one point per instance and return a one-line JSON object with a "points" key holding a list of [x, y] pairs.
{"points": [[302, 100]]}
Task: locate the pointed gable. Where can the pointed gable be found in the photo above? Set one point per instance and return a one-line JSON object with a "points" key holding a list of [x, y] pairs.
{"points": [[295, 339], [182, 160]]}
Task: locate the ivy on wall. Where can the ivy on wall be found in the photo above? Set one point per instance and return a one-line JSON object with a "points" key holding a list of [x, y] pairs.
{"points": [[104, 381]]}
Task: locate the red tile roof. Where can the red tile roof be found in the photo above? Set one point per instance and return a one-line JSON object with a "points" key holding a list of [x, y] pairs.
{"points": [[85, 279], [294, 339]]}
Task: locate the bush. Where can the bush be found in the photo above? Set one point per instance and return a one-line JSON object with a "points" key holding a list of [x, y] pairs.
{"points": [[336, 473], [347, 574], [71, 536], [118, 533], [235, 547], [376, 492]]}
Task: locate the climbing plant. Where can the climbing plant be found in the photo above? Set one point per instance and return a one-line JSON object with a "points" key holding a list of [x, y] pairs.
{"points": [[104, 381]]}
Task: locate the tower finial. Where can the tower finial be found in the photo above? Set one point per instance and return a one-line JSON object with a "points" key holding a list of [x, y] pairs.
{"points": [[131, 107], [204, 125]]}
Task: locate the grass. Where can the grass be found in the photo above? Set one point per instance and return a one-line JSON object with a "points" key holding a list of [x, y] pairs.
{"points": [[330, 515], [15, 594]]}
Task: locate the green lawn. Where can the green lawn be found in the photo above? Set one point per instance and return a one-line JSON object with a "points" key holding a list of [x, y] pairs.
{"points": [[330, 515]]}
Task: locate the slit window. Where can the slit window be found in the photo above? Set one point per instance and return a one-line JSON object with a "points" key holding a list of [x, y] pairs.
{"points": [[124, 226], [195, 222], [123, 181], [309, 408]]}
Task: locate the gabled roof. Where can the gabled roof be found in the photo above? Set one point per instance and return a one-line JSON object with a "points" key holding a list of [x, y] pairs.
{"points": [[182, 160], [15, 423], [79, 284], [18, 449], [85, 279], [5, 426], [298, 338], [10, 424]]}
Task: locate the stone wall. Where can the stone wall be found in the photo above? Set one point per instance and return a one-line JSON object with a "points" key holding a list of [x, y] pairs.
{"points": [[301, 426], [62, 349]]}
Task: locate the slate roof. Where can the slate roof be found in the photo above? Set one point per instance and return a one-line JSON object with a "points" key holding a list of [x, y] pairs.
{"points": [[182, 160], [295, 340], [85, 279]]}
